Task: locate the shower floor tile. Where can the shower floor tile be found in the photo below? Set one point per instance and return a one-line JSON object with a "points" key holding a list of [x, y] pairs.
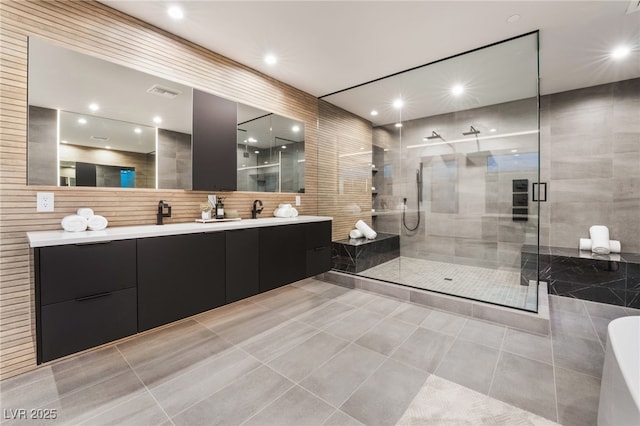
{"points": [[484, 284]]}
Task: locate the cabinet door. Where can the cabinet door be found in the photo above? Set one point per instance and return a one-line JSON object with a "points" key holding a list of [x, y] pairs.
{"points": [[214, 143], [74, 271], [282, 255], [179, 276], [243, 268], [75, 325], [318, 236]]}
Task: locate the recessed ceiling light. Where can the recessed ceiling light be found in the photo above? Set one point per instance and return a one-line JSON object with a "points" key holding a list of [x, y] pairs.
{"points": [[493, 130], [362, 147], [266, 162], [386, 150], [284, 147], [398, 124], [175, 12], [374, 112], [296, 128], [64, 141], [82, 120], [516, 155], [157, 119], [256, 152], [138, 130], [108, 147], [457, 90], [94, 106], [270, 59], [252, 140], [620, 52], [398, 103], [513, 18], [244, 165], [514, 150]]}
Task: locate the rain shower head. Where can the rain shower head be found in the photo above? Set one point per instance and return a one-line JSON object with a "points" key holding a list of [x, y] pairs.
{"points": [[434, 135], [472, 131]]}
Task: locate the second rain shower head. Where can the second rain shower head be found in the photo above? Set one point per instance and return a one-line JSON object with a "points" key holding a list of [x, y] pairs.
{"points": [[472, 131]]}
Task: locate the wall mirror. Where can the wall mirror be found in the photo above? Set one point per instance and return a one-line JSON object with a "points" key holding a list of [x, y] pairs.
{"points": [[270, 152], [115, 126], [96, 123]]}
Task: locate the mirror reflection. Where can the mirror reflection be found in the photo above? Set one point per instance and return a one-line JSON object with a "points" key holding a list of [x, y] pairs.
{"points": [[106, 124], [270, 152], [96, 123]]}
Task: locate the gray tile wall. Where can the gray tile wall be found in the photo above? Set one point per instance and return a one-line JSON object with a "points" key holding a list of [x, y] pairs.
{"points": [[174, 160], [43, 146], [466, 213], [590, 155]]}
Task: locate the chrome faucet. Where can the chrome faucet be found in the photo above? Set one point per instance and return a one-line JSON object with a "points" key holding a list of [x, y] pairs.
{"points": [[255, 210], [162, 205]]}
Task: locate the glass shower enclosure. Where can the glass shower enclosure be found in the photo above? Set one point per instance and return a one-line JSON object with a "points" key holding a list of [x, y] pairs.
{"points": [[447, 174]]}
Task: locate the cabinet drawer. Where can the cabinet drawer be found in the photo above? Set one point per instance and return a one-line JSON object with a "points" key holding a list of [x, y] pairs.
{"points": [[318, 234], [76, 325], [318, 261], [73, 271]]}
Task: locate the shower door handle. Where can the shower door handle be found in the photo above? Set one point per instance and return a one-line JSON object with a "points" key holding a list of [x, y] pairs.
{"points": [[539, 191]]}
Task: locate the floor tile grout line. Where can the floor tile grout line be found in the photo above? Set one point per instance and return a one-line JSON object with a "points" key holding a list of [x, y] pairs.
{"points": [[260, 364], [553, 360], [495, 367], [455, 339], [81, 388], [145, 386], [295, 384]]}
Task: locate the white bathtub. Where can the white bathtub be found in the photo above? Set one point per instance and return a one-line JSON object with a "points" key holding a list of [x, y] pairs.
{"points": [[620, 388]]}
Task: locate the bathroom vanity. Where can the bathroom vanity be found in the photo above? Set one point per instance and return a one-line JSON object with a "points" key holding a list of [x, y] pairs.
{"points": [[99, 286]]}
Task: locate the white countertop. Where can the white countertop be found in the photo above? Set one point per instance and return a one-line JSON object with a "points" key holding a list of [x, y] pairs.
{"points": [[61, 237]]}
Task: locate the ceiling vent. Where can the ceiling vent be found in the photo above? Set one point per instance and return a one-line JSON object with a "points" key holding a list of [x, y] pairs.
{"points": [[100, 138], [634, 6], [165, 92]]}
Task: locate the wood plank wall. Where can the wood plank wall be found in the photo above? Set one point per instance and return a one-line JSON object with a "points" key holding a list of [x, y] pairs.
{"points": [[98, 30], [344, 175]]}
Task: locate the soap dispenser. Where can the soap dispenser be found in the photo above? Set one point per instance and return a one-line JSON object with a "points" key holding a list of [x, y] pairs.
{"points": [[220, 208]]}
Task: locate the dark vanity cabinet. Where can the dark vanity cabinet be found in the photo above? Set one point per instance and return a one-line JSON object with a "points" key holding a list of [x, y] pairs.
{"points": [[214, 143], [318, 243], [282, 258], [290, 253], [85, 296], [95, 293], [179, 276], [243, 273]]}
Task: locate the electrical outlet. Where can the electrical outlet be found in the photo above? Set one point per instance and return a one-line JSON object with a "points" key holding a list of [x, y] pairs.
{"points": [[44, 202], [297, 200]]}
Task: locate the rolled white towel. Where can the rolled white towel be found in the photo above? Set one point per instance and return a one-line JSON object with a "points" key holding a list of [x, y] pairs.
{"points": [[85, 212], [599, 239], [355, 233], [614, 245], [74, 223], [585, 244], [294, 212], [366, 230], [284, 206], [282, 212], [97, 223]]}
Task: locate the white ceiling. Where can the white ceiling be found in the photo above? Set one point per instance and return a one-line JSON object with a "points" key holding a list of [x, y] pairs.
{"points": [[326, 46]]}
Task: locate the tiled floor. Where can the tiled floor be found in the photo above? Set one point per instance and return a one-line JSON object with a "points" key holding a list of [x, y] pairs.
{"points": [[316, 353], [485, 284]]}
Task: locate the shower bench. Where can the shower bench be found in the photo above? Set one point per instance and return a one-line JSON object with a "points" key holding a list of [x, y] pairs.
{"points": [[612, 279], [358, 254]]}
